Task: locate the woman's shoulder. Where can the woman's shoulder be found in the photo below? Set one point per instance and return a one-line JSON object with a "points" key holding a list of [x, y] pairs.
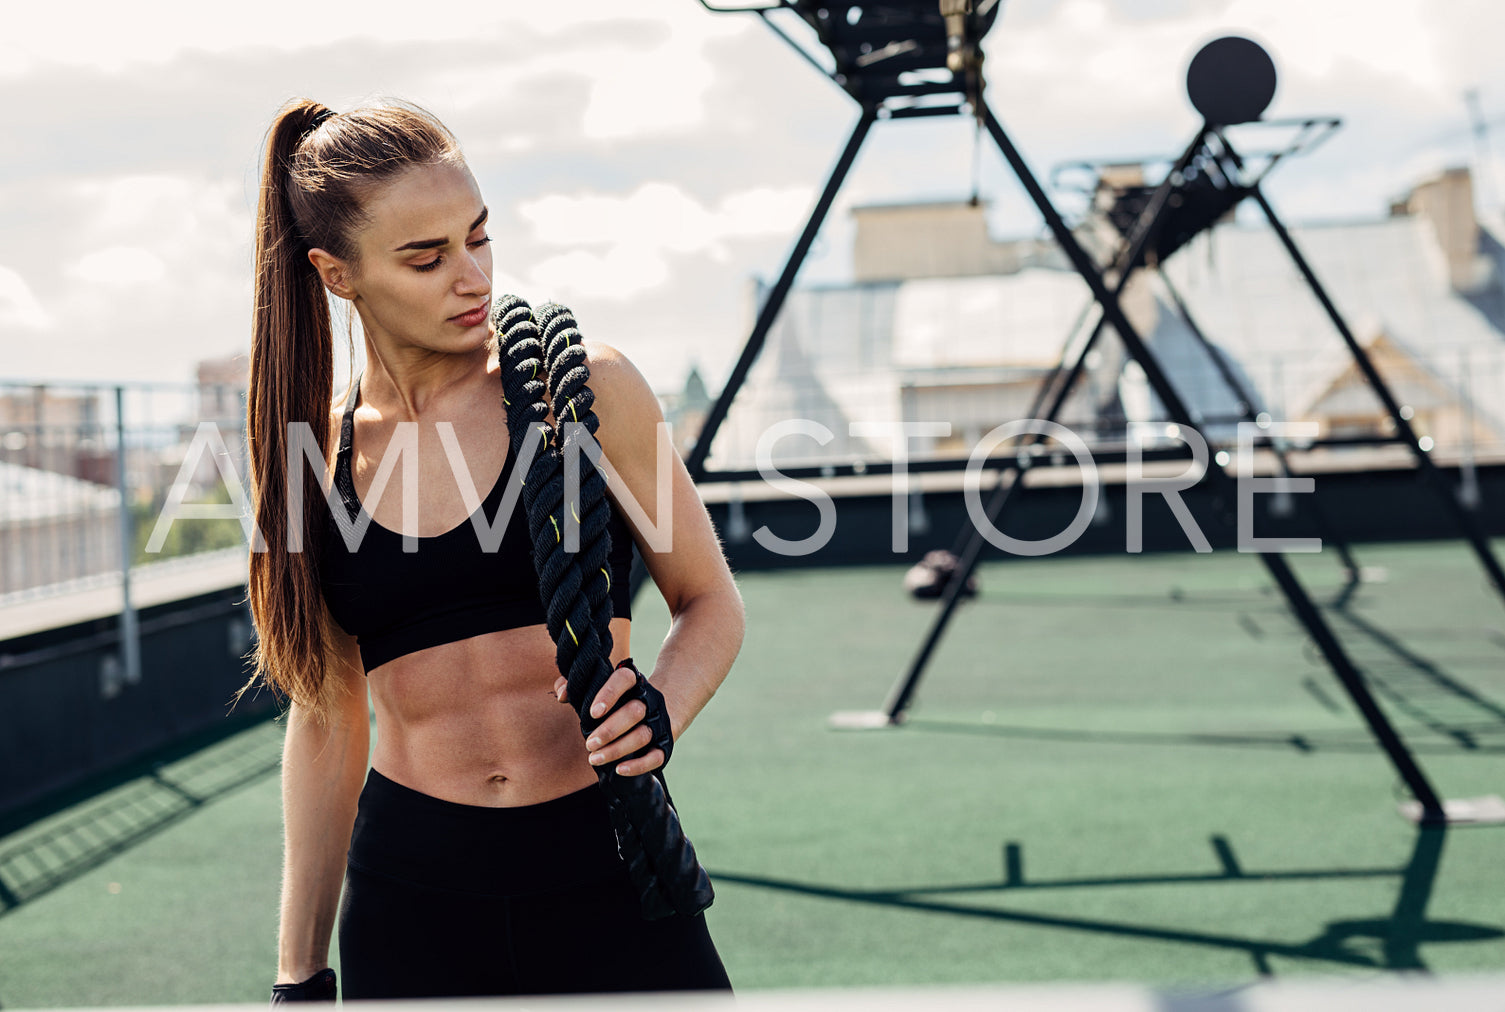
{"points": [[622, 394], [625, 404], [630, 422]]}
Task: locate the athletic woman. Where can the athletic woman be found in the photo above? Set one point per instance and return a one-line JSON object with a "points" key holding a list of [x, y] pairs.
{"points": [[476, 852]]}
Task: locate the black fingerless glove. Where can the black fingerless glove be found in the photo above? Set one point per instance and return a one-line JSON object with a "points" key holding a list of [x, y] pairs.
{"points": [[657, 719], [319, 987]]}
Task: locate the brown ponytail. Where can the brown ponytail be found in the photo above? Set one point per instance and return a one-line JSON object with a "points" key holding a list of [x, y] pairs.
{"points": [[318, 172]]}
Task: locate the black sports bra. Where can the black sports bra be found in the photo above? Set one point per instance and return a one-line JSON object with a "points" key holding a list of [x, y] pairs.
{"points": [[395, 602]]}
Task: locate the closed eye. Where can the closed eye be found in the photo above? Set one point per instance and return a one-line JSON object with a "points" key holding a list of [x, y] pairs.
{"points": [[434, 263]]}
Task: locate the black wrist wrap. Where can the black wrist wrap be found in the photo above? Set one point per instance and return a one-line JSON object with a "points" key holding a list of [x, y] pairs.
{"points": [[320, 987], [657, 719]]}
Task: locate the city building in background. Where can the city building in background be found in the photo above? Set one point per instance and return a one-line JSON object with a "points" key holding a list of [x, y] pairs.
{"points": [[943, 324], [54, 528]]}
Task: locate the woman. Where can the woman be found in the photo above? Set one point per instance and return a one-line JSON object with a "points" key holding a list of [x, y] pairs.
{"points": [[476, 853]]}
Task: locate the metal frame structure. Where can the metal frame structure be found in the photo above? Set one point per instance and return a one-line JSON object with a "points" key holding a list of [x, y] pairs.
{"points": [[873, 75], [1328, 532]]}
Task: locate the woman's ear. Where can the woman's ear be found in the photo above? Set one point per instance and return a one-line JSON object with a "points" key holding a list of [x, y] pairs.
{"points": [[333, 271]]}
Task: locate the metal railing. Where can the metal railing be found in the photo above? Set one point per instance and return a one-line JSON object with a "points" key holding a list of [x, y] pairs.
{"points": [[85, 469]]}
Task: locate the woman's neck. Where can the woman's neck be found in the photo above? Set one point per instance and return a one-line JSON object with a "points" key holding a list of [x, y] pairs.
{"points": [[411, 385]]}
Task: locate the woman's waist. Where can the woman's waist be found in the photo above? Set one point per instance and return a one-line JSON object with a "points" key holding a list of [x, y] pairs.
{"points": [[496, 751], [478, 722], [411, 836]]}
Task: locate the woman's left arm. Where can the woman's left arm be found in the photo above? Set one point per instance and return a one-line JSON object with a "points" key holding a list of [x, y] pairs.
{"points": [[682, 554]]}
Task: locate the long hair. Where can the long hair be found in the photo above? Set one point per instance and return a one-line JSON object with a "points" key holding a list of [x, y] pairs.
{"points": [[319, 173]]}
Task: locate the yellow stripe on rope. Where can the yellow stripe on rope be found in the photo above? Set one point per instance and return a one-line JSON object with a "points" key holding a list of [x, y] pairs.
{"points": [[572, 632], [608, 577], [556, 529], [535, 370], [572, 411], [574, 513], [506, 401]]}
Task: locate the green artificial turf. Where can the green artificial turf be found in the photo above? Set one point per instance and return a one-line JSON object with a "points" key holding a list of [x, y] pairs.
{"points": [[1121, 768]]}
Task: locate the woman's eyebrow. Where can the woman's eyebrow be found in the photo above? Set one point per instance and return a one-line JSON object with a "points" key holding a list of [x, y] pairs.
{"points": [[432, 243]]}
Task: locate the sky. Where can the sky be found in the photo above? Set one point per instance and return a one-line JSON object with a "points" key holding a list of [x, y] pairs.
{"points": [[642, 159]]}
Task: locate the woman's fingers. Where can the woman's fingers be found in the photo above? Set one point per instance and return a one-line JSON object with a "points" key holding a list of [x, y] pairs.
{"points": [[560, 685], [638, 738], [622, 733], [620, 681], [629, 717], [647, 764]]}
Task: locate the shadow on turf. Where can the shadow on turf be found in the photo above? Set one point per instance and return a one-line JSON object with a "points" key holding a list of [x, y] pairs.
{"points": [[1388, 943], [1421, 688], [1357, 740], [35, 862]]}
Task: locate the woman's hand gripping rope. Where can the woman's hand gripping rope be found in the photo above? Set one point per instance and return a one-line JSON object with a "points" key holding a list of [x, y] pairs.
{"points": [[639, 728]]}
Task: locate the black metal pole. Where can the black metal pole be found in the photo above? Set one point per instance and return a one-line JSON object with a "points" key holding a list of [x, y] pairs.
{"points": [[1300, 603], [769, 312], [1466, 521], [1245, 396], [968, 531], [1011, 475], [695, 464]]}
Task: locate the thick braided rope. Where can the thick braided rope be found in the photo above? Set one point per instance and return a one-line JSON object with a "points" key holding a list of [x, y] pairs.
{"points": [[574, 586]]}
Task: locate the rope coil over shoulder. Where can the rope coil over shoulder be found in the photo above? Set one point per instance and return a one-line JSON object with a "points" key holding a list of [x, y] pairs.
{"points": [[541, 355]]}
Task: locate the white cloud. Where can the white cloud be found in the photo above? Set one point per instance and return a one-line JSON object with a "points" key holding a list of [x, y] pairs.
{"points": [[620, 273], [650, 77], [654, 210], [18, 306], [120, 265], [1398, 39], [110, 35], [661, 216], [660, 90], [1088, 59], [633, 88], [766, 210], [160, 208], [164, 259], [1086, 15], [639, 230]]}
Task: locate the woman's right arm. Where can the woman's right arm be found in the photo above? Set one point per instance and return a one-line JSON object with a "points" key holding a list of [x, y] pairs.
{"points": [[323, 769]]}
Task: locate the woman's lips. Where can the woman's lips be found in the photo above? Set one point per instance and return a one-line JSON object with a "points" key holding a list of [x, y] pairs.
{"points": [[474, 318]]}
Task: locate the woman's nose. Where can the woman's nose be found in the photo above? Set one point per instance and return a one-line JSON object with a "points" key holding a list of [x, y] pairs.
{"points": [[475, 278]]}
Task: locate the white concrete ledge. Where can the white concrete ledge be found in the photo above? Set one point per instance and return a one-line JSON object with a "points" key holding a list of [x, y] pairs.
{"points": [[1380, 992]]}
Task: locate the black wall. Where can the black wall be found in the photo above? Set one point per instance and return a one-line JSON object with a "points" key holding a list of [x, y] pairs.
{"points": [[1360, 506], [69, 725]]}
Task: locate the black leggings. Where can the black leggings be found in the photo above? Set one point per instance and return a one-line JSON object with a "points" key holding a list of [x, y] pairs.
{"points": [[443, 900]]}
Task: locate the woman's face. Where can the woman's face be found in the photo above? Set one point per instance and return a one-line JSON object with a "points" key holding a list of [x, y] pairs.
{"points": [[424, 274]]}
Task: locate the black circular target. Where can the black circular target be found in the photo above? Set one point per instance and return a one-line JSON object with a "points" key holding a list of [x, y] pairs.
{"points": [[1231, 80]]}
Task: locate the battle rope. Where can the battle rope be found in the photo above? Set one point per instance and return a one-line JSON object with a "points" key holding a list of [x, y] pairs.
{"points": [[541, 353]]}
